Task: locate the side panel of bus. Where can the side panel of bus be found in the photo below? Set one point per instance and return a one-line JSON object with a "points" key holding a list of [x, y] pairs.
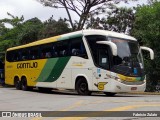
{"points": [[29, 69]]}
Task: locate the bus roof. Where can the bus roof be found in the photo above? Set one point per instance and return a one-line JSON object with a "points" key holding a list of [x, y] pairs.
{"points": [[73, 35]]}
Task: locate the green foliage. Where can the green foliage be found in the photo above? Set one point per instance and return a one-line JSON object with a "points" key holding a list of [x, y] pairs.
{"points": [[84, 9], [5, 44], [14, 21], [147, 30], [8, 36], [29, 31], [3, 29], [52, 27], [23, 32], [118, 20]]}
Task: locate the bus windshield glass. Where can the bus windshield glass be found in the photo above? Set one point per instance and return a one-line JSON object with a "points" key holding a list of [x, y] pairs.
{"points": [[128, 51], [128, 61]]}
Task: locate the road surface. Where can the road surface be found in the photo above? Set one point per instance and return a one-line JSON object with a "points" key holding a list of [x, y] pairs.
{"points": [[96, 106]]}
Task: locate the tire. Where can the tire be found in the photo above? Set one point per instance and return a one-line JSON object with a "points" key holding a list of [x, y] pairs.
{"points": [[3, 84], [17, 84], [109, 93], [82, 87], [24, 84]]}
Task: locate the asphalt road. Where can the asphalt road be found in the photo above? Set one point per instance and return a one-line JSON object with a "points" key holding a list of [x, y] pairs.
{"points": [[130, 106]]}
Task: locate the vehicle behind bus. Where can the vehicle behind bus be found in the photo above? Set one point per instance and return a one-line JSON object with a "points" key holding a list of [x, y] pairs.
{"points": [[2, 82]]}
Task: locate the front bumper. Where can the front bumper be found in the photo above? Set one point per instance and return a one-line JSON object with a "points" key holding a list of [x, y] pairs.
{"points": [[118, 87]]}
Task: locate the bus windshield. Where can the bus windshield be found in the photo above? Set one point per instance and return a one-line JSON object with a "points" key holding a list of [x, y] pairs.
{"points": [[128, 61], [128, 51]]}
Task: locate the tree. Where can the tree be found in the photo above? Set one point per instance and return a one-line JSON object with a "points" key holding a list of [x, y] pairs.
{"points": [[15, 21], [23, 32], [118, 20], [3, 29], [8, 36], [20, 33], [152, 1], [94, 23], [52, 28], [5, 44], [30, 31], [146, 29], [83, 8]]}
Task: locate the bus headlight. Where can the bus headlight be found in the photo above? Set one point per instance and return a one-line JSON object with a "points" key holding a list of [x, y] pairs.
{"points": [[119, 80]]}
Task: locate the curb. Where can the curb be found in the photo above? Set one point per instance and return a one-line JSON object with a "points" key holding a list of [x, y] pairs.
{"points": [[143, 93]]}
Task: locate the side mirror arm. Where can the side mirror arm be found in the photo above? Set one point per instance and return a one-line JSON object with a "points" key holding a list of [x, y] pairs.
{"points": [[112, 45], [150, 51]]}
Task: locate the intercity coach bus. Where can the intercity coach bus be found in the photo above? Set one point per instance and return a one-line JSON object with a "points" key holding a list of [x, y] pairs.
{"points": [[85, 61]]}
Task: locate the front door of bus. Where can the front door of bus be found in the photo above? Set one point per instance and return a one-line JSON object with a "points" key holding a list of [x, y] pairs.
{"points": [[103, 64]]}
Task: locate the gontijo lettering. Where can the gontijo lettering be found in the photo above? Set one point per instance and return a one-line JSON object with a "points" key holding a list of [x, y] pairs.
{"points": [[27, 65]]}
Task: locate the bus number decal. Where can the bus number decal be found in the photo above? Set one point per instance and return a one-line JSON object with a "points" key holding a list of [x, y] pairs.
{"points": [[101, 85]]}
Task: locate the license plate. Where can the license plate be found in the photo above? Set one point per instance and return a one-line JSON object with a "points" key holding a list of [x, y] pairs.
{"points": [[133, 88]]}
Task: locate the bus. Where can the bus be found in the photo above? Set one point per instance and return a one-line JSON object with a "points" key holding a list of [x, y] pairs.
{"points": [[85, 61]]}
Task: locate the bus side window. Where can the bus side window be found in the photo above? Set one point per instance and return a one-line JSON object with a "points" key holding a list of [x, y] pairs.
{"points": [[34, 53], [25, 54], [46, 51], [48, 55], [103, 57], [78, 48], [75, 52], [62, 48], [42, 55], [10, 56], [54, 51], [17, 56]]}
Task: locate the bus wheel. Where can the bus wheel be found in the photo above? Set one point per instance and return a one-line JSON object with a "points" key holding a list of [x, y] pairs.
{"points": [[82, 87], [3, 84], [17, 84], [24, 84], [109, 93]]}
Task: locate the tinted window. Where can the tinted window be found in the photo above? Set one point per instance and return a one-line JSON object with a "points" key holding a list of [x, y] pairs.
{"points": [[103, 57], [62, 48], [24, 54], [100, 53], [13, 56], [70, 47], [46, 51], [78, 48], [9, 56], [34, 53]]}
